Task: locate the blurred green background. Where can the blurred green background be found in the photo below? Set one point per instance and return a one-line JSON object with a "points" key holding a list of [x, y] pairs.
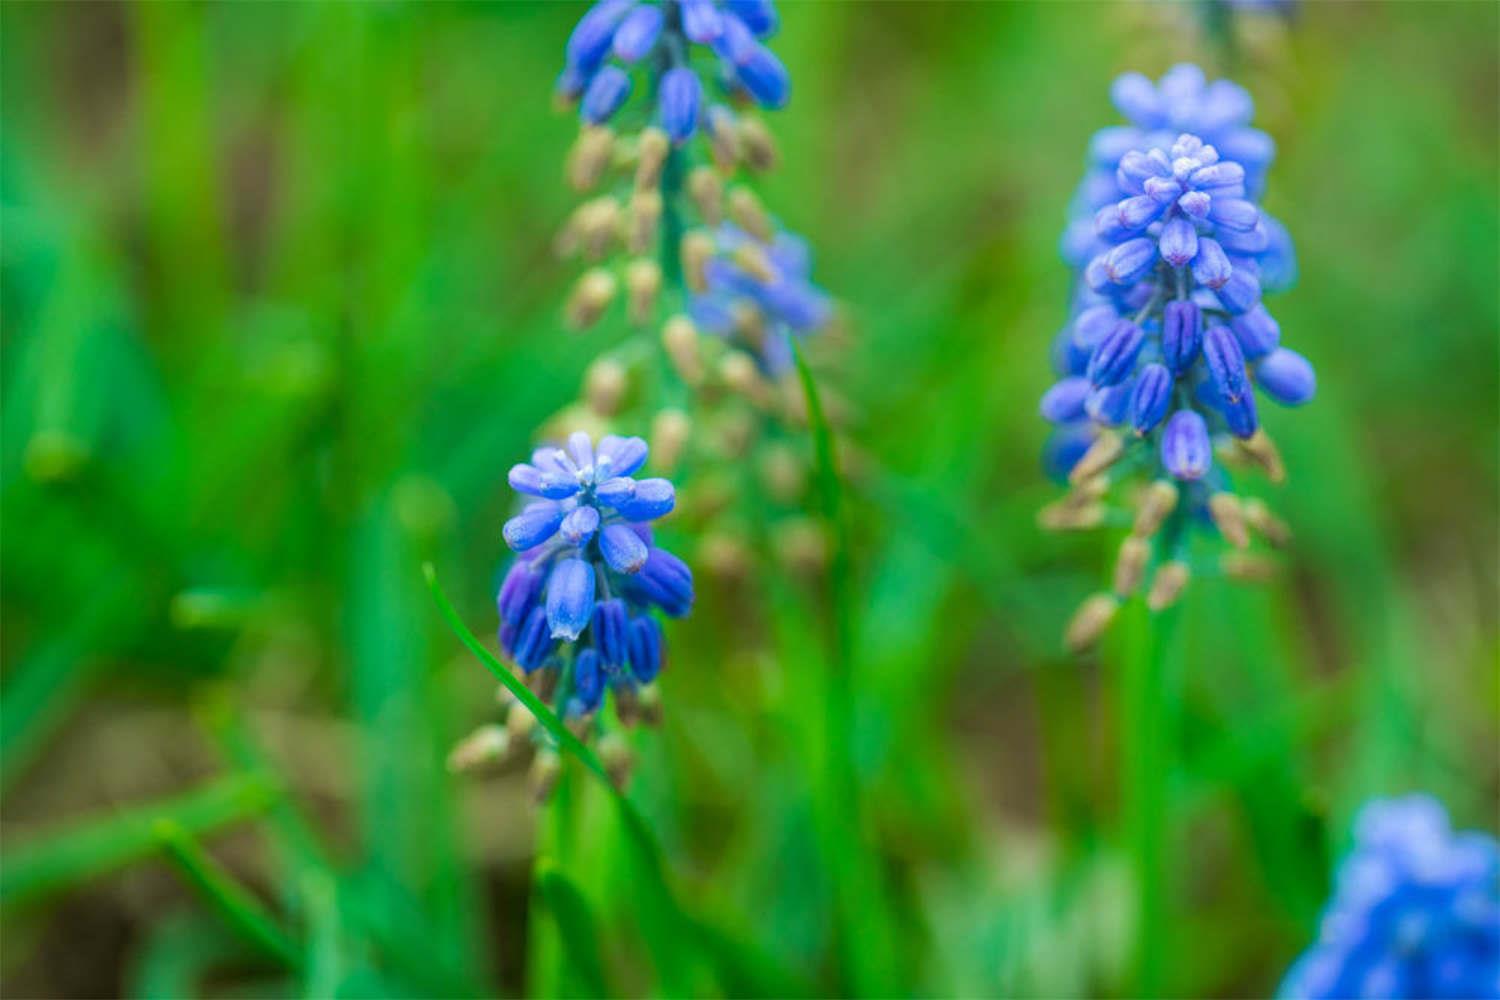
{"points": [[279, 310]]}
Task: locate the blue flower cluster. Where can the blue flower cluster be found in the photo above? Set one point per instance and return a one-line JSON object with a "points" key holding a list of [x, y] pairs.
{"points": [[1415, 911], [772, 279], [577, 600], [615, 35], [1169, 338]]}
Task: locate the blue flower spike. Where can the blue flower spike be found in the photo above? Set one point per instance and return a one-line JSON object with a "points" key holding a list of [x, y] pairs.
{"points": [[576, 607], [1170, 344], [1415, 911]]}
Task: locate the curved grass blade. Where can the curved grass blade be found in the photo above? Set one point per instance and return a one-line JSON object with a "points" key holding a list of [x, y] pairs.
{"points": [[52, 863], [240, 910], [544, 715]]}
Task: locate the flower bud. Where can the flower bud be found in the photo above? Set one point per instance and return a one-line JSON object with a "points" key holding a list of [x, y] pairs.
{"points": [[1185, 449], [679, 98], [545, 769], [1167, 584], [679, 338], [618, 759], [747, 212], [1089, 622], [1286, 377], [590, 156], [1226, 363], [783, 473], [642, 218], [736, 433], [1181, 335], [1104, 452], [642, 284], [756, 145], [1157, 504], [723, 137], [1130, 567], [593, 228], [1261, 450], [1229, 517], [801, 546], [1211, 267], [604, 385], [1069, 515], [749, 323], [591, 296], [519, 722], [485, 745], [1240, 293], [724, 556], [1150, 398], [1115, 357], [706, 188], [1178, 242], [1064, 402], [1257, 331], [670, 430], [1272, 528], [697, 249], [738, 371], [606, 93], [651, 154], [1247, 567], [648, 706], [753, 260], [1128, 263]]}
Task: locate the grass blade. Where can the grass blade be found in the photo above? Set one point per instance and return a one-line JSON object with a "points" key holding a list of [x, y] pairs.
{"points": [[52, 863], [240, 910]]}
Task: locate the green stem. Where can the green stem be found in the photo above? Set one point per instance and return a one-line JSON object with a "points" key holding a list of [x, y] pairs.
{"points": [[863, 938], [1147, 723]]}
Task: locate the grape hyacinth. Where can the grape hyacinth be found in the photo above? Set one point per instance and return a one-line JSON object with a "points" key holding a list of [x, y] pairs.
{"points": [[1415, 911], [1169, 339], [587, 568]]}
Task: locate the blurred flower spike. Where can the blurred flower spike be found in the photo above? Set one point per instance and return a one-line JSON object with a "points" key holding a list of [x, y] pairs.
{"points": [[1415, 911], [674, 44], [1169, 341]]}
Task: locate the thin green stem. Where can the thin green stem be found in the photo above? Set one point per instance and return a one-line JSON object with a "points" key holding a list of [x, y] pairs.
{"points": [[1147, 717], [544, 715]]}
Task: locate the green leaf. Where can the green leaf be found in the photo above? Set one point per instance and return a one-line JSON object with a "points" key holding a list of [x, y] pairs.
{"points": [[584, 971]]}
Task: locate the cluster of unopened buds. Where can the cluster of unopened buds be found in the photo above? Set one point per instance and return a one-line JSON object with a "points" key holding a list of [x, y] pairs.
{"points": [[675, 241], [1169, 341]]}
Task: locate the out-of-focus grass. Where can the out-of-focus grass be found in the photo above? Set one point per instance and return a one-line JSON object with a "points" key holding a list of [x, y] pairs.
{"points": [[279, 310]]}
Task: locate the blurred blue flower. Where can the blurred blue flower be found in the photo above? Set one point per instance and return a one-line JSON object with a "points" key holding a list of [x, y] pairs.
{"points": [[587, 574], [1415, 911], [615, 35], [774, 280]]}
